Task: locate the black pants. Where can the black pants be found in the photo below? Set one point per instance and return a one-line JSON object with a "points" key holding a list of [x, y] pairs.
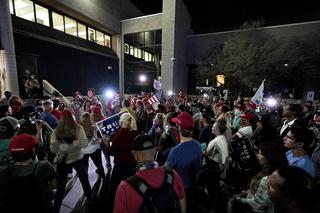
{"points": [[119, 173], [96, 158], [62, 170]]}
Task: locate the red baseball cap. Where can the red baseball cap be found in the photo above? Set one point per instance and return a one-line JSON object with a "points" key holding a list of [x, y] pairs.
{"points": [[22, 144], [184, 120]]}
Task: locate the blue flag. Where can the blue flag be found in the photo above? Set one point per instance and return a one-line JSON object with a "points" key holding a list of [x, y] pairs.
{"points": [[109, 125]]}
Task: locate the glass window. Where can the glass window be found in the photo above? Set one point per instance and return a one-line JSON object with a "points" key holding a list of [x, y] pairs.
{"points": [[146, 56], [24, 9], [126, 48], [82, 31], [42, 15], [70, 26], [100, 38], [92, 34], [57, 21], [11, 7], [107, 40], [131, 50], [138, 53]]}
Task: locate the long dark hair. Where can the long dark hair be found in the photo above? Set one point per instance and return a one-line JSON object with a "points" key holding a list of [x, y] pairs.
{"points": [[275, 159]]}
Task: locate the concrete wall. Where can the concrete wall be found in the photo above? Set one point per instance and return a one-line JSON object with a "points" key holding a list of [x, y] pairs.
{"points": [[176, 24], [201, 45]]}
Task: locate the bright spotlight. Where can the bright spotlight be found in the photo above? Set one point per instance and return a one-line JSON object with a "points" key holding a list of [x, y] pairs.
{"points": [[271, 102], [110, 93], [205, 95], [142, 78], [170, 92]]}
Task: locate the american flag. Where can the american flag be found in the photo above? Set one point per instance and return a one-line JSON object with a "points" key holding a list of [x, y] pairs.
{"points": [[155, 98]]}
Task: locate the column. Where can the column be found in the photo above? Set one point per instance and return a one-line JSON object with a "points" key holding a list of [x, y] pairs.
{"points": [[7, 43]]}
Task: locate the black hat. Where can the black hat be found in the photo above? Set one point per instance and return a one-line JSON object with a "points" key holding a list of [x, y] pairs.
{"points": [[142, 142]]}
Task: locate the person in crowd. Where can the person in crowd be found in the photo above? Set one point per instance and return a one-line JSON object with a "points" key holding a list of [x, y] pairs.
{"points": [[291, 114], [126, 107], [93, 149], [76, 105], [47, 116], [170, 105], [169, 138], [5, 110], [297, 141], [87, 106], [293, 189], [16, 104], [143, 149], [218, 149], [121, 150], [5, 100], [141, 116], [29, 125], [91, 96], [256, 197], [157, 127], [55, 112], [236, 120], [67, 141], [246, 128], [32, 86], [186, 158], [96, 116], [315, 157], [9, 127], [206, 134], [24, 186]]}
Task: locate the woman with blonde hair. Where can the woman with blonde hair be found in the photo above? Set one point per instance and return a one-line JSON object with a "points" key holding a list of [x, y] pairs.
{"points": [[67, 141], [93, 149], [124, 164]]}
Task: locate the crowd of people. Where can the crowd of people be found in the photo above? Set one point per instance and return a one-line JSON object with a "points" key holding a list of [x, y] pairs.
{"points": [[196, 154]]}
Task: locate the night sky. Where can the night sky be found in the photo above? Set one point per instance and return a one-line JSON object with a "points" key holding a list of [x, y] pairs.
{"points": [[214, 16]]}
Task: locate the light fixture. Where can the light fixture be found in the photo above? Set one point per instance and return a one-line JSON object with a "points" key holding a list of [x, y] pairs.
{"points": [[142, 78]]}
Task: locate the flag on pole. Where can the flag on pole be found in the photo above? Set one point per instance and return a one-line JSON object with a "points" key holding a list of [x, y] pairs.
{"points": [[258, 97], [155, 98]]}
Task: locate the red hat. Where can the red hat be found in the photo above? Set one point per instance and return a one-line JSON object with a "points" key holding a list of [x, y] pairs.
{"points": [[96, 110], [247, 116], [184, 120], [22, 144]]}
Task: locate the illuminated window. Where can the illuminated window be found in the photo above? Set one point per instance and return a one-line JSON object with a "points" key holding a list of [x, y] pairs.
{"points": [[146, 56], [70, 26], [100, 38], [126, 48], [107, 40], [92, 34], [139, 53], [57, 21], [42, 15], [11, 7], [24, 9], [82, 31], [131, 50]]}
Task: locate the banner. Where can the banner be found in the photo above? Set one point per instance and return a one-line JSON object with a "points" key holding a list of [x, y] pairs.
{"points": [[110, 125], [157, 84]]}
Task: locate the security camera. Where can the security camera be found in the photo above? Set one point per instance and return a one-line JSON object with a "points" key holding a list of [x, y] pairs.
{"points": [[172, 59]]}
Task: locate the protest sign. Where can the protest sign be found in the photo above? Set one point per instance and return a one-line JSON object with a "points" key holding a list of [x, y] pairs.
{"points": [[110, 125]]}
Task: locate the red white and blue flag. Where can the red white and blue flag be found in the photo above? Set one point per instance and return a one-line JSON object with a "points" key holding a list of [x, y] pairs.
{"points": [[258, 97], [156, 98]]}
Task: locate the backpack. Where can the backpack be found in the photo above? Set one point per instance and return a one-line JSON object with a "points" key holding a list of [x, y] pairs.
{"points": [[24, 193], [161, 200]]}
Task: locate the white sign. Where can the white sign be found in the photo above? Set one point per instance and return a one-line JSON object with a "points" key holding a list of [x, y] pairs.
{"points": [[310, 96], [157, 84]]}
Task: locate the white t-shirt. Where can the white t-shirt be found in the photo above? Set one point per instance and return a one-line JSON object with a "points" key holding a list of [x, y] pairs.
{"points": [[218, 149]]}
